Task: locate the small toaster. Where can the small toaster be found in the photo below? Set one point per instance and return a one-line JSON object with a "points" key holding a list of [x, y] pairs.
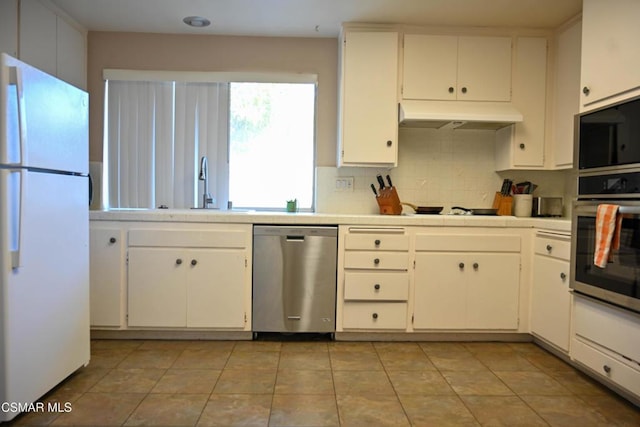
{"points": [[547, 206]]}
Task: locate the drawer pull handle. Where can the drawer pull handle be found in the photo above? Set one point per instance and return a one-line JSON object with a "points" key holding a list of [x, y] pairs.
{"points": [[475, 266], [377, 242], [563, 276], [376, 286], [112, 240], [549, 247], [606, 368], [374, 315], [179, 261], [194, 261], [461, 265], [376, 261]]}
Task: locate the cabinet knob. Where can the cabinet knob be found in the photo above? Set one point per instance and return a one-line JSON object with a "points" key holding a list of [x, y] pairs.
{"points": [[376, 286], [549, 247], [606, 368], [586, 90], [377, 242], [464, 89], [522, 146], [475, 266], [451, 89], [194, 261], [389, 143], [179, 261], [374, 315], [376, 261], [563, 276], [113, 240], [461, 265]]}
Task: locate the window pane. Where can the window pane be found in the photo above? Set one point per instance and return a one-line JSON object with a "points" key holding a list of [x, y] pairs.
{"points": [[271, 144]]}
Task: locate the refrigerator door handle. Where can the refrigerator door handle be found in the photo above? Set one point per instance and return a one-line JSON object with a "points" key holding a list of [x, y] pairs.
{"points": [[16, 182], [15, 77]]}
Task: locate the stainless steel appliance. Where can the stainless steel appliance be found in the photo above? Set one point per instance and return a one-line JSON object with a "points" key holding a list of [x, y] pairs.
{"points": [[547, 206], [294, 278], [608, 159], [607, 138], [619, 281]]}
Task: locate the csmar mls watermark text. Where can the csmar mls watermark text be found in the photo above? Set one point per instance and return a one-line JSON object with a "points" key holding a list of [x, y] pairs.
{"points": [[36, 407]]}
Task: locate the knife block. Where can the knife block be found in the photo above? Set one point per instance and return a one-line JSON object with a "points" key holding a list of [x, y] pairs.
{"points": [[388, 201], [502, 203]]}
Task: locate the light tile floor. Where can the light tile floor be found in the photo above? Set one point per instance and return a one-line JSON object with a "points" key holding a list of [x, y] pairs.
{"points": [[270, 383]]}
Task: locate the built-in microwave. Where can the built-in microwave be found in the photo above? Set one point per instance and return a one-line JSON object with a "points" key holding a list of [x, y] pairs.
{"points": [[608, 138]]}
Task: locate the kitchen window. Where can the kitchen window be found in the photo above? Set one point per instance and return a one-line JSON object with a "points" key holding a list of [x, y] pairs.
{"points": [[258, 135]]}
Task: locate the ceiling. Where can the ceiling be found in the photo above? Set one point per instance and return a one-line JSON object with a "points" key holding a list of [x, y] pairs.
{"points": [[311, 18]]}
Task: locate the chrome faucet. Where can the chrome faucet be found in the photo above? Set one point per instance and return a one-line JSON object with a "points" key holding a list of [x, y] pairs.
{"points": [[207, 200]]}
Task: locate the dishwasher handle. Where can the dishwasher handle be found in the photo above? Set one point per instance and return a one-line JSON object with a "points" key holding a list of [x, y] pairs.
{"points": [[291, 238]]}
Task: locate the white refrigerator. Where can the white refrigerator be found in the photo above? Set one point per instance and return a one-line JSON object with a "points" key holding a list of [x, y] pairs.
{"points": [[44, 233]]}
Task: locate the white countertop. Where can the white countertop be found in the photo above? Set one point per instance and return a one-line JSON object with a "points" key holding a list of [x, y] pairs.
{"points": [[257, 217]]}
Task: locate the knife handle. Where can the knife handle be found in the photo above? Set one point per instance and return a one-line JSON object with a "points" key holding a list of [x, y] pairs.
{"points": [[373, 187]]}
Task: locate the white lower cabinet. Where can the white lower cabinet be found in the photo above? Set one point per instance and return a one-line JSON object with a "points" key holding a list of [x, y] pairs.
{"points": [[189, 276], [606, 340], [550, 296], [374, 281], [107, 248], [461, 283], [175, 287]]}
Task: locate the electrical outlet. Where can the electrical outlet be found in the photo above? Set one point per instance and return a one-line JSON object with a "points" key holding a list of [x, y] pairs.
{"points": [[344, 184]]}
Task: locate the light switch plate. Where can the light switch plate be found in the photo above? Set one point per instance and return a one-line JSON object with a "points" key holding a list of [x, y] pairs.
{"points": [[344, 184]]}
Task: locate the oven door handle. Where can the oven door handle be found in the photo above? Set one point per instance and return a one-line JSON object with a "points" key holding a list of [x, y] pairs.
{"points": [[591, 209]]}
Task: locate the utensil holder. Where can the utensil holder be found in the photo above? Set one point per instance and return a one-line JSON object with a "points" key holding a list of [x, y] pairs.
{"points": [[502, 203], [388, 201]]}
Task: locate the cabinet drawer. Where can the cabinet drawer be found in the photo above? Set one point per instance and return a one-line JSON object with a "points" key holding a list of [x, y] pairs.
{"points": [[466, 243], [375, 315], [376, 286], [606, 366], [189, 238], [372, 242], [556, 247], [376, 260], [608, 326]]}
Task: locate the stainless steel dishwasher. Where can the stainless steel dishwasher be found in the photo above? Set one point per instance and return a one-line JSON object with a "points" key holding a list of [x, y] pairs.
{"points": [[294, 278]]}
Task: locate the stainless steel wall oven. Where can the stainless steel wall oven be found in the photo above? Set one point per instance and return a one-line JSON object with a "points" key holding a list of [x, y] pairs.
{"points": [[607, 153]]}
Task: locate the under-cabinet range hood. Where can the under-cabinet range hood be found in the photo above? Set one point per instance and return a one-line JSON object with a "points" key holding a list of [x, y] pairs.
{"points": [[458, 114]]}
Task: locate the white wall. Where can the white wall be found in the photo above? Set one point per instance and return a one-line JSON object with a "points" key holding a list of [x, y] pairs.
{"points": [[435, 168]]}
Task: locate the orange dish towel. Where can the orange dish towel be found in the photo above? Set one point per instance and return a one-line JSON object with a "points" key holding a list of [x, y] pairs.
{"points": [[608, 224]]}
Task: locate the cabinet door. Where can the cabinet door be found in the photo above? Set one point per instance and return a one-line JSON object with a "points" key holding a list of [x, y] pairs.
{"points": [[567, 94], [551, 301], [529, 96], [610, 59], [157, 287], [430, 67], [440, 291], [38, 35], [107, 275], [493, 289], [215, 295], [9, 27], [369, 122], [484, 69], [70, 58]]}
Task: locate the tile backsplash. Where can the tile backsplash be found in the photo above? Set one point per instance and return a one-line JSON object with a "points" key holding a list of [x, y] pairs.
{"points": [[435, 168]]}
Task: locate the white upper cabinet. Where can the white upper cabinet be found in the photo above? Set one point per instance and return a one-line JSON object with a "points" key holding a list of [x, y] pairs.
{"points": [[470, 68], [522, 146], [47, 41], [566, 94], [9, 27], [368, 128], [610, 54]]}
